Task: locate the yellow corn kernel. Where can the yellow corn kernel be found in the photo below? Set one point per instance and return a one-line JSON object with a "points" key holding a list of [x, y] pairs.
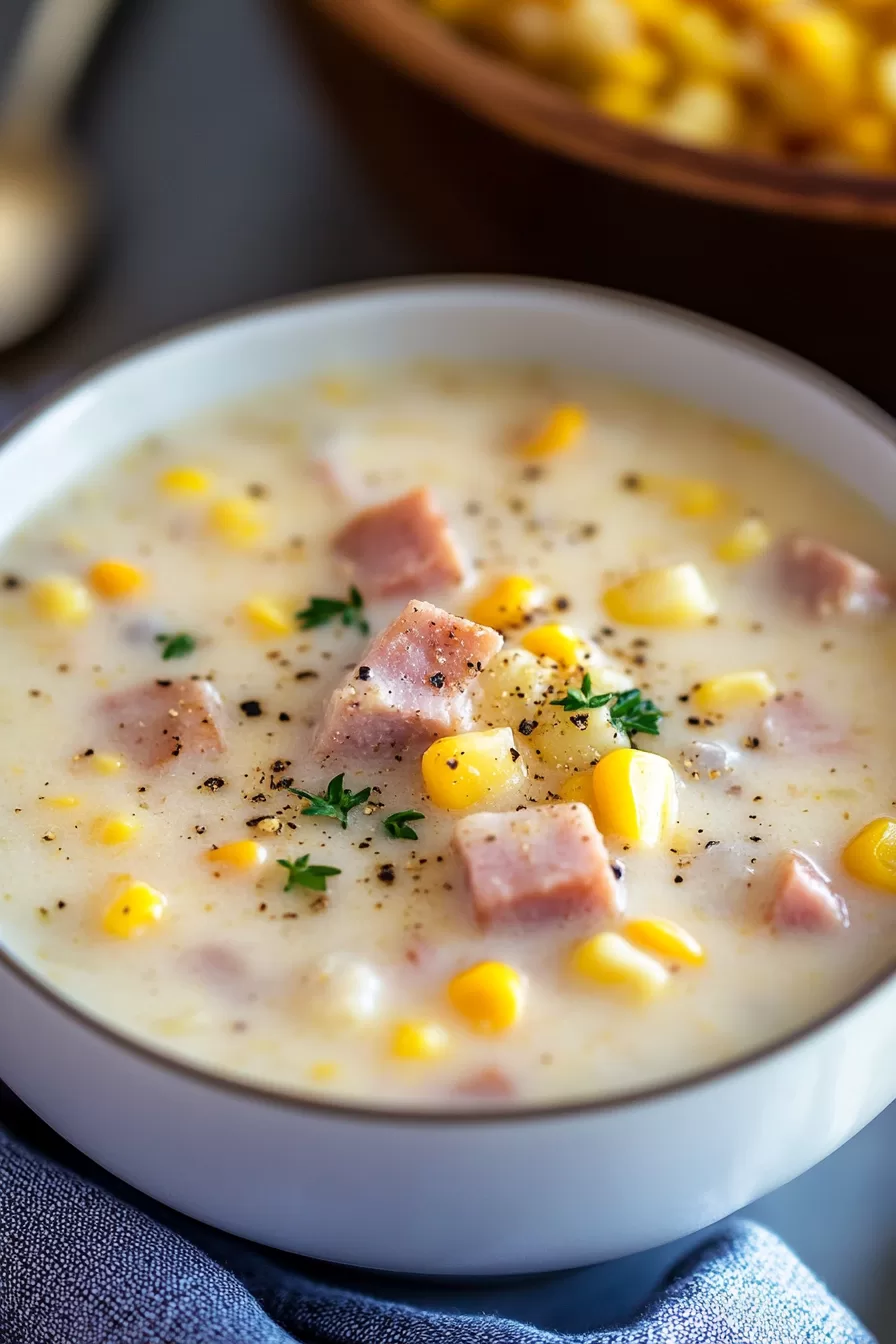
{"points": [[114, 830], [666, 938], [579, 788], [718, 695], [116, 579], [870, 856], [623, 99], [237, 520], [61, 599], [704, 43], [608, 959], [324, 1071], [509, 602], [698, 499], [185, 481], [883, 79], [267, 616], [561, 431], [704, 112], [136, 908], [634, 796], [675, 595], [338, 390], [868, 138], [751, 538], [105, 764], [238, 854], [63, 801], [642, 64], [419, 1040], [822, 44], [659, 16], [558, 642], [469, 768], [489, 995]]}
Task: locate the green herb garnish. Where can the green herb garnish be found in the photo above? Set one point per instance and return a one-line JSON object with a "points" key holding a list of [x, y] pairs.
{"points": [[631, 713], [176, 646], [337, 802], [397, 825], [303, 873], [322, 610]]}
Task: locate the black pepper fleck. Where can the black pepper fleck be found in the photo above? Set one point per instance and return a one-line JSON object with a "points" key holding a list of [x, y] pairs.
{"points": [[437, 680], [364, 673], [386, 872], [527, 726], [251, 708]]}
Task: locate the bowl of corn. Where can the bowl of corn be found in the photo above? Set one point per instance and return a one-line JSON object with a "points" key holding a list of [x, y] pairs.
{"points": [[787, 105]]}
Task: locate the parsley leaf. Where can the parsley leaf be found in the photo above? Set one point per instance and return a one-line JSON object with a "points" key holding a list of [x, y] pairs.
{"points": [[630, 712], [303, 873], [322, 610], [176, 646], [397, 825], [337, 802]]}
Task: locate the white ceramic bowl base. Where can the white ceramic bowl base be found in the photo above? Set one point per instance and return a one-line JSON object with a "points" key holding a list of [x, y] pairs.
{"points": [[496, 1193]]}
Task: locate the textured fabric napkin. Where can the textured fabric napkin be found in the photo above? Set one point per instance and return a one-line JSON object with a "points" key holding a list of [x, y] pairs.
{"points": [[80, 1266]]}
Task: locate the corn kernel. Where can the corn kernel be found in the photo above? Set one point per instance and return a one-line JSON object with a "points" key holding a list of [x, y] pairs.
{"points": [[490, 996], [116, 579], [137, 907], [63, 801], [237, 521], [557, 642], [868, 138], [698, 499], [61, 599], [579, 788], [338, 390], [267, 616], [608, 959], [703, 112], [623, 99], [666, 938], [718, 695], [104, 764], [509, 603], [239, 854], [561, 431], [823, 44], [660, 16], [324, 1071], [419, 1040], [641, 64], [634, 796], [676, 595], [883, 78], [870, 856], [704, 43], [751, 538], [185, 481], [114, 830], [469, 768]]}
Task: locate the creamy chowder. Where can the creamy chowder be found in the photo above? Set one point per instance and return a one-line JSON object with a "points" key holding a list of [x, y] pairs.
{"points": [[452, 736]]}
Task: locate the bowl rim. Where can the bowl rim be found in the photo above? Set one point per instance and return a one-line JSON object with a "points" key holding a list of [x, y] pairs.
{"points": [[535, 109], [348, 1109]]}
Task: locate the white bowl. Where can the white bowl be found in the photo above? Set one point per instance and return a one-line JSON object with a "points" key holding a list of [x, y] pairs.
{"points": [[494, 1192]]}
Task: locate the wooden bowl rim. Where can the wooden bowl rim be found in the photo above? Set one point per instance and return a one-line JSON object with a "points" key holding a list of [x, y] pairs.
{"points": [[548, 116]]}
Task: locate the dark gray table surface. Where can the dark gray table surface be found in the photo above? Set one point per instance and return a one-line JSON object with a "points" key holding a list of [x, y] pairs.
{"points": [[224, 182]]}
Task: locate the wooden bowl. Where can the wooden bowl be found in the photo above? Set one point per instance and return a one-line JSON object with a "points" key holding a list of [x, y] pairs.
{"points": [[543, 114]]}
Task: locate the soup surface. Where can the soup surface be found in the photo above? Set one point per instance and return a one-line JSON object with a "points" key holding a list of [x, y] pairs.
{"points": [[173, 632]]}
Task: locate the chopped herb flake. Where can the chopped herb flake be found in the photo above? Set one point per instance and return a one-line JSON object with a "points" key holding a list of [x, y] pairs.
{"points": [[322, 610], [630, 712], [337, 802], [397, 825], [303, 873], [176, 646]]}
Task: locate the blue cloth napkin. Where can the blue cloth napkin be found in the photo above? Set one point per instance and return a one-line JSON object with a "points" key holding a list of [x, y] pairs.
{"points": [[78, 1265]]}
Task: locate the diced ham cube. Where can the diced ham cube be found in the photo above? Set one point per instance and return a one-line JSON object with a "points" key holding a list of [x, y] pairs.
{"points": [[540, 863], [792, 724], [404, 546], [804, 898], [411, 687], [829, 581], [161, 720]]}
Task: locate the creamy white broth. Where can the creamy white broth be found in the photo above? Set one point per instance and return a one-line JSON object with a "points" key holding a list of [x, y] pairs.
{"points": [[226, 977]]}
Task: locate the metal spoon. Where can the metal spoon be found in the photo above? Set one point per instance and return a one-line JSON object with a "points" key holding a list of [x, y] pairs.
{"points": [[45, 198]]}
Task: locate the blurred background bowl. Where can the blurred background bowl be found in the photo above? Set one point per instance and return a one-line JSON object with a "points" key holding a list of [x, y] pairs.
{"points": [[497, 170]]}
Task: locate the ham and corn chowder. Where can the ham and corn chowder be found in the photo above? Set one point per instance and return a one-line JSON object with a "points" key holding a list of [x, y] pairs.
{"points": [[451, 735]]}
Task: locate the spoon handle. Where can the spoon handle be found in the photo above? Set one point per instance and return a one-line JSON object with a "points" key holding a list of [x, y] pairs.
{"points": [[58, 38]]}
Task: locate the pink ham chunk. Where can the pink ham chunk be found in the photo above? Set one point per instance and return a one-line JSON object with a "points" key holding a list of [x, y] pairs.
{"points": [[537, 864], [161, 720], [411, 687], [402, 547], [831, 582], [804, 898], [794, 725]]}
